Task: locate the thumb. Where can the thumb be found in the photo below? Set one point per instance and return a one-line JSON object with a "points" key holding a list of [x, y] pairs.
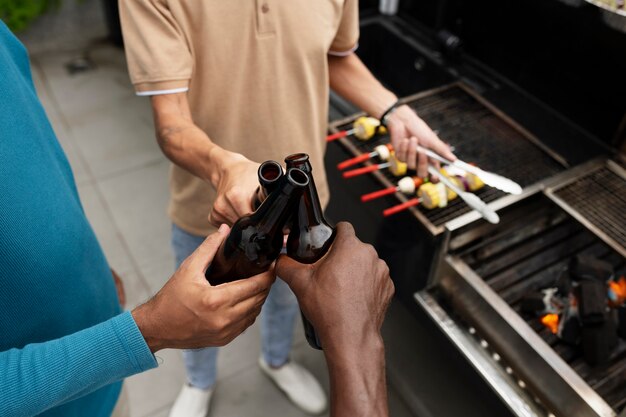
{"points": [[205, 253], [295, 274]]}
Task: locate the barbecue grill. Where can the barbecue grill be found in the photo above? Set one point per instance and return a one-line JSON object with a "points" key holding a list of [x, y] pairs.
{"points": [[481, 271]]}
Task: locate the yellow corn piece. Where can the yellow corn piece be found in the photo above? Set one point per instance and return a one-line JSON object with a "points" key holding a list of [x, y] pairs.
{"points": [[365, 127], [397, 168], [428, 195]]}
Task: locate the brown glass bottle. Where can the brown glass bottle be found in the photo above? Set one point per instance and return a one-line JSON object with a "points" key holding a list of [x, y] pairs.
{"points": [[255, 240], [270, 173], [310, 236]]}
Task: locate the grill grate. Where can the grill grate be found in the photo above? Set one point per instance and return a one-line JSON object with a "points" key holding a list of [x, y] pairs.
{"points": [[479, 135], [600, 198]]}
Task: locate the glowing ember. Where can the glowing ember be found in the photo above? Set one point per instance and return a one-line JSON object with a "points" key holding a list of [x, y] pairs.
{"points": [[617, 292], [551, 321]]}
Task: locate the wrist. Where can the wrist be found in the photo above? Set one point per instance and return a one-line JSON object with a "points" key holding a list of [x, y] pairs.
{"points": [[220, 161], [143, 318], [351, 350], [382, 103]]}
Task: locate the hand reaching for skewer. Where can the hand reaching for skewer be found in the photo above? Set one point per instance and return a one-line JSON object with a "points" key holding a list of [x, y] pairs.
{"points": [[407, 130]]}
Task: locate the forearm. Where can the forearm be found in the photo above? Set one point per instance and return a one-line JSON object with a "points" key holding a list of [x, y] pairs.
{"points": [[184, 143], [357, 380], [351, 79], [44, 375]]}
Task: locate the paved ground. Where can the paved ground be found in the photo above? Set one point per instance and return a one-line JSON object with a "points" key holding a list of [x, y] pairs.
{"points": [[107, 134]]}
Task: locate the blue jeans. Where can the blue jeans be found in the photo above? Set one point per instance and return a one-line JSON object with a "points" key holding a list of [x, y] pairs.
{"points": [[277, 322]]}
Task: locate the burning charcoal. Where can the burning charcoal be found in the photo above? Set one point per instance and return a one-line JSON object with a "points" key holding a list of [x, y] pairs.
{"points": [[593, 302], [585, 267], [542, 302], [569, 326], [617, 292], [598, 341]]}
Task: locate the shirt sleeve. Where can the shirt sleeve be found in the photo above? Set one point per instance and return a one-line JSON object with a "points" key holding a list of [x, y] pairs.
{"points": [[347, 36], [44, 375], [158, 55]]}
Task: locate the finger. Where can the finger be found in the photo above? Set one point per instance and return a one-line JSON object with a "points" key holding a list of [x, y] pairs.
{"points": [[412, 153], [204, 254], [230, 213], [422, 165], [216, 218], [344, 230], [401, 152], [240, 203], [295, 274], [239, 328], [240, 290], [250, 307]]}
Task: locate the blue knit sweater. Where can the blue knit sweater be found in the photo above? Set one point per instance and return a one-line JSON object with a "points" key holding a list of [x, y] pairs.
{"points": [[64, 343]]}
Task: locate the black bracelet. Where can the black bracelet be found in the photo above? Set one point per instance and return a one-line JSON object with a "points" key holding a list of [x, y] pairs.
{"points": [[389, 112]]}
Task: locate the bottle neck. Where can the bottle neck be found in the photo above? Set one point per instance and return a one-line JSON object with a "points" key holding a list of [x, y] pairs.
{"points": [[312, 206], [274, 212]]}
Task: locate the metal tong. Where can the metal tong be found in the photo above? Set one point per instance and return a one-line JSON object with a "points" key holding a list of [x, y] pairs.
{"points": [[472, 200], [489, 178]]}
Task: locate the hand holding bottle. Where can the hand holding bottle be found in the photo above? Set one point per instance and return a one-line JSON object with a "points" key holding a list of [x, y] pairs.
{"points": [[235, 181], [345, 296], [346, 293], [189, 313]]}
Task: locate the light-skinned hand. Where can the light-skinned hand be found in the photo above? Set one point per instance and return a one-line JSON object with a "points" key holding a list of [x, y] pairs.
{"points": [[235, 183], [407, 130]]}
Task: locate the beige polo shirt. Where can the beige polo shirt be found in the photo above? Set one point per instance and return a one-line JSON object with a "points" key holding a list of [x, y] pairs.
{"points": [[256, 75]]}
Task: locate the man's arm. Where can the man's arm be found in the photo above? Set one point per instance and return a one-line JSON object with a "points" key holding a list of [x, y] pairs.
{"points": [[186, 313], [350, 78], [345, 296], [185, 144]]}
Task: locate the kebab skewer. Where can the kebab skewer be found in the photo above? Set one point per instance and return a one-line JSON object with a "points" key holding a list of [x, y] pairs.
{"points": [[429, 195], [363, 128], [381, 151], [472, 200], [407, 185], [396, 167], [432, 196]]}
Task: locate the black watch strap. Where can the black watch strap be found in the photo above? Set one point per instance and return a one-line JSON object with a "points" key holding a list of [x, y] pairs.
{"points": [[389, 112]]}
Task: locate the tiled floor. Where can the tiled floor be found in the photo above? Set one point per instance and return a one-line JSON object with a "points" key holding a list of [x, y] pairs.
{"points": [[122, 178]]}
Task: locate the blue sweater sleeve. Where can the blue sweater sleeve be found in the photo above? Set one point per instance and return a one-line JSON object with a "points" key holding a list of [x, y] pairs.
{"points": [[43, 375]]}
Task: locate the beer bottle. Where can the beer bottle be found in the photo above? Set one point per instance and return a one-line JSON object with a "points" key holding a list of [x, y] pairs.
{"points": [[255, 240], [310, 236], [270, 173]]}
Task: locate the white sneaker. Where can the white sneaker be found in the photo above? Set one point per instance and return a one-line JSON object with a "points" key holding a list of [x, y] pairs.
{"points": [[191, 402], [298, 384]]}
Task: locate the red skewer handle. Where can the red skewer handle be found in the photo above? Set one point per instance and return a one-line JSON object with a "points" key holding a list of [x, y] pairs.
{"points": [[364, 170], [400, 207], [338, 135], [378, 194], [353, 161]]}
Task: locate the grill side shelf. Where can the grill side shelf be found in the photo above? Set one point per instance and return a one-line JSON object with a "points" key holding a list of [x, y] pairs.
{"points": [[597, 199]]}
